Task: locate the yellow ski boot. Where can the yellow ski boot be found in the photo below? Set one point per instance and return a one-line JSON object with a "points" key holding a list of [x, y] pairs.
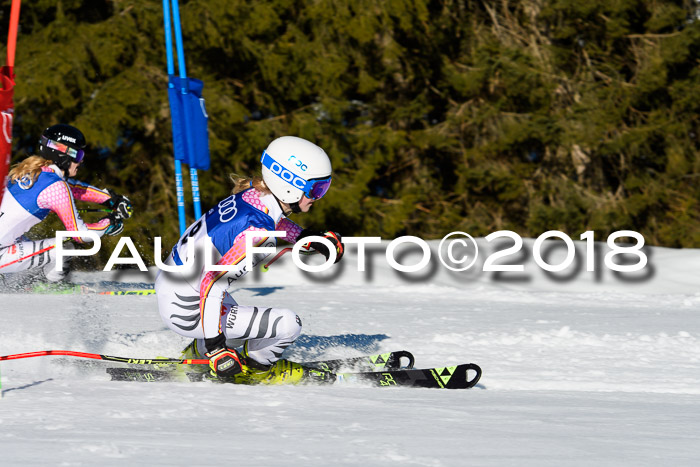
{"points": [[281, 372]]}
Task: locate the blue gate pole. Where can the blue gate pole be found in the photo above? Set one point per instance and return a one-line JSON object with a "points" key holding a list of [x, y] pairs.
{"points": [[179, 189], [183, 74]]}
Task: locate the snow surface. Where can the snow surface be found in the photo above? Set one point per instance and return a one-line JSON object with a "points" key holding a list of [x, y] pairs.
{"points": [[591, 369]]}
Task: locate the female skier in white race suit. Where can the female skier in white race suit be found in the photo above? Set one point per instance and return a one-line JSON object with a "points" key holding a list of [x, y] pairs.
{"points": [[195, 303]]}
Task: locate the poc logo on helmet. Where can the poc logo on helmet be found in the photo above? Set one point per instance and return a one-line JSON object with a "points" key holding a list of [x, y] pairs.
{"points": [[287, 176], [298, 162]]}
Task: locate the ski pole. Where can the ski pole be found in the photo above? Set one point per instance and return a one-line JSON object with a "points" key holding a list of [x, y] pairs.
{"points": [[136, 361], [266, 266], [281, 253], [95, 210], [28, 256]]}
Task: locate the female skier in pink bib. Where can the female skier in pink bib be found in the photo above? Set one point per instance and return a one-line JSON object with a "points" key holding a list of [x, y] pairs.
{"points": [[195, 303], [40, 185]]}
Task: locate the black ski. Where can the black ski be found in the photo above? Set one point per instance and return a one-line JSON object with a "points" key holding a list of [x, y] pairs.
{"points": [[452, 377], [462, 376], [384, 361], [400, 359], [152, 376]]}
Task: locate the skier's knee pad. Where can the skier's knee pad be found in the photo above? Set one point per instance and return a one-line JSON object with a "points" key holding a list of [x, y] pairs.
{"points": [[289, 326]]}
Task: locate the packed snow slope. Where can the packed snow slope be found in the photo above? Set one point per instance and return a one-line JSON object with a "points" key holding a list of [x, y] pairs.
{"points": [[580, 368]]}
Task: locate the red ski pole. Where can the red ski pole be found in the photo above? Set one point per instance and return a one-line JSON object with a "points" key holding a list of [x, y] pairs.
{"points": [[134, 361], [283, 251], [266, 266]]}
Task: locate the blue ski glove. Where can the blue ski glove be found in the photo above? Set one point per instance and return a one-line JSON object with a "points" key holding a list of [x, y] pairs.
{"points": [[116, 226]]}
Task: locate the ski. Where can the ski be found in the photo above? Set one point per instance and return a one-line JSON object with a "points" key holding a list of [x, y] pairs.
{"points": [[450, 377], [462, 376], [383, 361], [401, 359], [128, 292], [69, 288], [152, 376], [85, 289]]}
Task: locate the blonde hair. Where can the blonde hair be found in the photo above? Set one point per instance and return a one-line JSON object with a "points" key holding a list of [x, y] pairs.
{"points": [[243, 183], [29, 168]]}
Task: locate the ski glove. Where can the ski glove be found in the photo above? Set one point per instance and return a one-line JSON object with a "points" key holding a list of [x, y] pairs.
{"points": [[224, 361], [120, 205], [333, 237], [116, 226]]}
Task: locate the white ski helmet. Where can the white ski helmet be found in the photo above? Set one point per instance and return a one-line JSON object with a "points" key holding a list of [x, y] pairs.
{"points": [[293, 167]]}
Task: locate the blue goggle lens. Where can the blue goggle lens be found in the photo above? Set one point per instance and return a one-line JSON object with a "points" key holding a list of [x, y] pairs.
{"points": [[318, 188]]}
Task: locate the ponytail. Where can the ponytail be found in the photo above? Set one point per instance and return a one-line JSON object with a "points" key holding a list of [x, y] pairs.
{"points": [[243, 183], [28, 170]]}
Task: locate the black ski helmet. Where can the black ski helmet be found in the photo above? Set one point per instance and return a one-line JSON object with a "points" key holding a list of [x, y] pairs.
{"points": [[62, 144]]}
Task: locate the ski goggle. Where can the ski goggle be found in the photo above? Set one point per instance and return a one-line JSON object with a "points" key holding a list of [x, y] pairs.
{"points": [[75, 154], [314, 188]]}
